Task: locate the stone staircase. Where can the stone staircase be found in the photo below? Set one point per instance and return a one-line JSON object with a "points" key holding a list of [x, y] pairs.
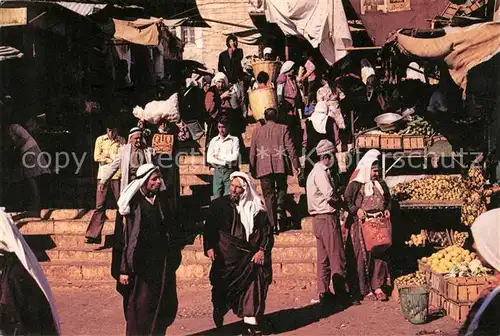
{"points": [[59, 243], [59, 238]]}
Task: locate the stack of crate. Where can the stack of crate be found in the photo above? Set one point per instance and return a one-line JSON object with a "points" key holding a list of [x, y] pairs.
{"points": [[455, 295]]}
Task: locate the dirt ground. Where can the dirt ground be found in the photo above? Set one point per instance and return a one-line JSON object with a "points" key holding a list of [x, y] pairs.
{"points": [[98, 311]]}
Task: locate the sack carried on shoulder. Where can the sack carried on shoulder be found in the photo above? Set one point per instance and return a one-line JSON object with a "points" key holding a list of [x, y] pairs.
{"points": [[377, 234]]}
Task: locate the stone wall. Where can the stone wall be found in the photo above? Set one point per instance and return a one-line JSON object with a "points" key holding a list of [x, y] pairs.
{"points": [[212, 41]]}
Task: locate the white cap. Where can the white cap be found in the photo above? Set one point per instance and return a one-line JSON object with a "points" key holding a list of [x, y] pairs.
{"points": [[268, 50]]}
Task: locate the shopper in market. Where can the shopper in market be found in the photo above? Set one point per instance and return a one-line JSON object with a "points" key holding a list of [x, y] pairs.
{"points": [[319, 126], [484, 318], [368, 199], [323, 202]]}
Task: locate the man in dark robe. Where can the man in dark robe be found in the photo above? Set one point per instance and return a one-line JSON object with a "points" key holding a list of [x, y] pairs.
{"points": [[148, 259], [26, 302], [238, 240]]}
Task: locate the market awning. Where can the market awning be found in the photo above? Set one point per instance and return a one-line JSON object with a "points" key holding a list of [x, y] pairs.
{"points": [[321, 22], [84, 9], [9, 53], [250, 36], [461, 48]]}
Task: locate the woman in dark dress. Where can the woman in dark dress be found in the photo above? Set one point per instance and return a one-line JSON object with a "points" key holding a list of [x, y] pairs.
{"points": [[368, 199], [217, 103], [319, 126]]}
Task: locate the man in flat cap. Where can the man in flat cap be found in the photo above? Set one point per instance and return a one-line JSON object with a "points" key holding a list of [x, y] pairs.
{"points": [[323, 203]]}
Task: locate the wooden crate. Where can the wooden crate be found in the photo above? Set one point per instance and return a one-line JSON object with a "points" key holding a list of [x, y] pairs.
{"points": [[438, 282], [413, 142], [458, 311], [467, 289], [368, 141], [391, 141], [426, 269], [436, 300]]}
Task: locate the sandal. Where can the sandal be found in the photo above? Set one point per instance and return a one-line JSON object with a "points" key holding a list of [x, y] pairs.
{"points": [[371, 297], [381, 296]]}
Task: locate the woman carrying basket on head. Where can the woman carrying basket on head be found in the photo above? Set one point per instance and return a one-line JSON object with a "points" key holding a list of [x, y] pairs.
{"points": [[368, 199]]}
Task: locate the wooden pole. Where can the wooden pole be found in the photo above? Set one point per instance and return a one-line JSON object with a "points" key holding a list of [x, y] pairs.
{"points": [[287, 51]]}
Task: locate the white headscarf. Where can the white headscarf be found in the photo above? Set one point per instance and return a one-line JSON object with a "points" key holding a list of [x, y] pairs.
{"points": [[319, 117], [268, 51], [486, 233], [250, 202], [11, 240], [366, 72], [220, 76], [413, 74], [143, 174], [287, 66], [362, 173]]}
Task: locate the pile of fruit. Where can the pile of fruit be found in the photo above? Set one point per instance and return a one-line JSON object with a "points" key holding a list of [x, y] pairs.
{"points": [[431, 188], [447, 259], [416, 240], [474, 200], [413, 279], [464, 269], [417, 126], [459, 238]]}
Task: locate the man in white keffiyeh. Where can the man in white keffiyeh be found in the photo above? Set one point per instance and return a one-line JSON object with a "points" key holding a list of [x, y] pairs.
{"points": [[238, 240], [27, 302], [142, 255]]}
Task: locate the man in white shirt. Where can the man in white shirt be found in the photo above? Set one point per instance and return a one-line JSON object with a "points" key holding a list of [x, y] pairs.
{"points": [[222, 155], [323, 205]]}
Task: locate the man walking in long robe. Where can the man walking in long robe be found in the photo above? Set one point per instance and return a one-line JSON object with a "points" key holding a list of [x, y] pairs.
{"points": [[238, 239], [147, 264]]}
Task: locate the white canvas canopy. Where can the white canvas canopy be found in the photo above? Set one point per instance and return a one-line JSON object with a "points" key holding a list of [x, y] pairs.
{"points": [[321, 22]]}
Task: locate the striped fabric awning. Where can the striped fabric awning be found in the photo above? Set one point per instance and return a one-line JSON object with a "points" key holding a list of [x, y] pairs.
{"points": [[9, 53]]}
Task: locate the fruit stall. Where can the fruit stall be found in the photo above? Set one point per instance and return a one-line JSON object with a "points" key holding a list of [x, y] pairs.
{"points": [[448, 269]]}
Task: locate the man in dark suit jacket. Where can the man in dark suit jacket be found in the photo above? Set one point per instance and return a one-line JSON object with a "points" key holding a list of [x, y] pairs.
{"points": [[272, 155], [230, 60]]}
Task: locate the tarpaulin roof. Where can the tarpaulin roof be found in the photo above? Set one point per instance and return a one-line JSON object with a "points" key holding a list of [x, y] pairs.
{"points": [[321, 22], [84, 9], [461, 48], [9, 53], [250, 36], [379, 20]]}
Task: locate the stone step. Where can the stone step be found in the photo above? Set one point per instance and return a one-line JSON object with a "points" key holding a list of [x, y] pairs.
{"points": [[193, 179], [189, 190], [75, 229], [67, 227], [100, 271], [64, 214], [42, 243], [190, 254], [201, 169], [288, 283]]}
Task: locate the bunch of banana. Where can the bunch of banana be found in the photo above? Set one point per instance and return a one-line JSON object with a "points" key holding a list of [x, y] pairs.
{"points": [[417, 126], [474, 204], [438, 238], [433, 188], [417, 240], [413, 279]]}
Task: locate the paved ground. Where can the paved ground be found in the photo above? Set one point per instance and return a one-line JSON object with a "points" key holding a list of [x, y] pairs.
{"points": [[98, 311]]}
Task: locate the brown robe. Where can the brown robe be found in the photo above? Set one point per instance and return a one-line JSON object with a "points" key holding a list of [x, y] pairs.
{"points": [[237, 282], [147, 255], [365, 272]]}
